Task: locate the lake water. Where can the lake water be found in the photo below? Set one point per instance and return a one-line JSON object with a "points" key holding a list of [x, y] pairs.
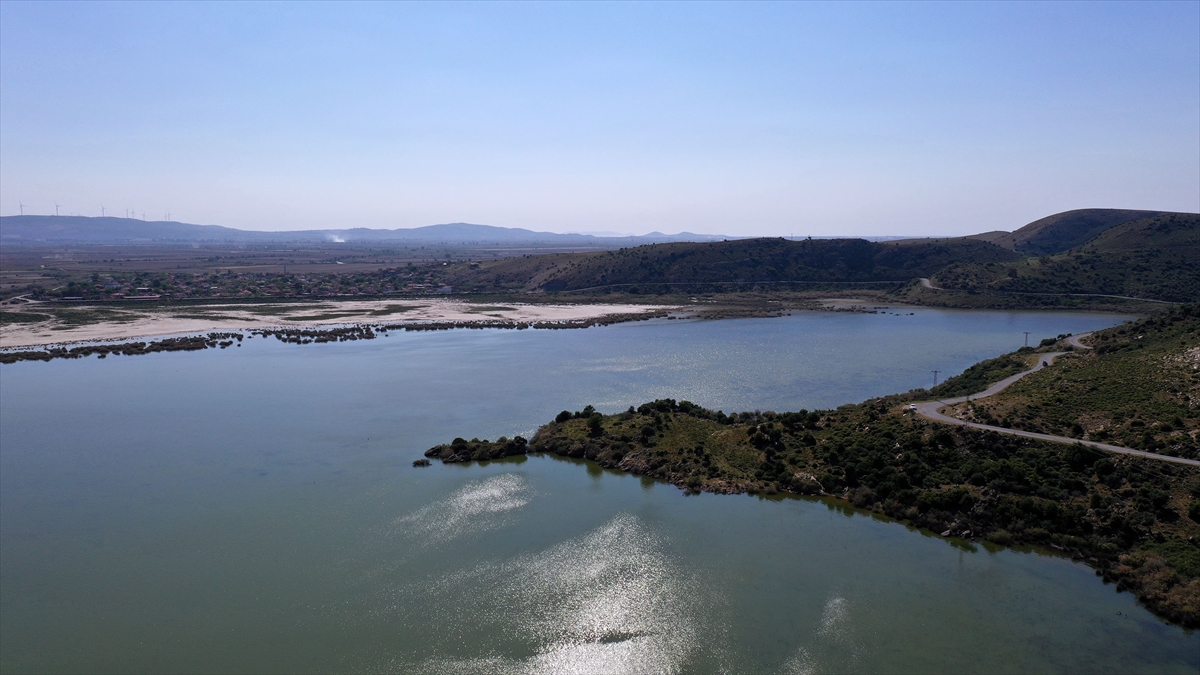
{"points": [[255, 509]]}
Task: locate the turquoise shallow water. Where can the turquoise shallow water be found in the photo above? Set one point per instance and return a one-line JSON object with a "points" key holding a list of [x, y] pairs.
{"points": [[255, 509]]}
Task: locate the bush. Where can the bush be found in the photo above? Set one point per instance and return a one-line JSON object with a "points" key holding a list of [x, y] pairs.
{"points": [[1001, 537]]}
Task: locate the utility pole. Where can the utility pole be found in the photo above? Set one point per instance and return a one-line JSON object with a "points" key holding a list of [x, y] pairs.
{"points": [[935, 374], [1026, 338]]}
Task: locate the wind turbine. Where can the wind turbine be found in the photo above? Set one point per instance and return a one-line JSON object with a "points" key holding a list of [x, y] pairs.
{"points": [[22, 207], [143, 215], [56, 208]]}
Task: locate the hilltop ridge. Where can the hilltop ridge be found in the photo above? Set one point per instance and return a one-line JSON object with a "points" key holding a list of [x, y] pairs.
{"points": [[743, 261], [1066, 230], [1058, 232]]}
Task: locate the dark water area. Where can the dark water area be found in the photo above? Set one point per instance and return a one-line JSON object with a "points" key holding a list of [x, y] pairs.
{"points": [[255, 509]]}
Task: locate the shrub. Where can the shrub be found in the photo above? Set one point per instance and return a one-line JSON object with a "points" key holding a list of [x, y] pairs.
{"points": [[1001, 537]]}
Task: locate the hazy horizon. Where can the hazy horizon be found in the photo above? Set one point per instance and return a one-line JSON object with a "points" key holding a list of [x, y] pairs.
{"points": [[589, 233], [736, 119]]}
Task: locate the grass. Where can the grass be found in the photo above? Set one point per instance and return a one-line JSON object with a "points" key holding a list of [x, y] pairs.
{"points": [[9, 318], [1139, 388]]}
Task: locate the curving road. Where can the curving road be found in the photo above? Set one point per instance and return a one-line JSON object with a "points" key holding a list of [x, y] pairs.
{"points": [[1074, 341], [931, 411]]}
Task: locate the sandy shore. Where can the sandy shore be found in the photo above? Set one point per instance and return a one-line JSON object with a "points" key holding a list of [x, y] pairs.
{"points": [[92, 323]]}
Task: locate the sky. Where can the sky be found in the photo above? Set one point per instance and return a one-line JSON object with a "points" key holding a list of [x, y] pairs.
{"points": [[769, 119]]}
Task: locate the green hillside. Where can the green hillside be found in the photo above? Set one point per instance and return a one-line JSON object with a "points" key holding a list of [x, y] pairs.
{"points": [[729, 262], [1152, 257], [1066, 230]]}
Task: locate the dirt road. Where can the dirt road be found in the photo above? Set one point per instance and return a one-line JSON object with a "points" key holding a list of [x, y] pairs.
{"points": [[931, 411]]}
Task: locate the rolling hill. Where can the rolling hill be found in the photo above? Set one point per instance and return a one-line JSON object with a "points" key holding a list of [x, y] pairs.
{"points": [[729, 262], [1150, 257], [1066, 230]]}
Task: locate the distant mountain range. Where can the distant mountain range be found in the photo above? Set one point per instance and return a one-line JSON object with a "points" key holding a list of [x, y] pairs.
{"points": [[87, 230]]}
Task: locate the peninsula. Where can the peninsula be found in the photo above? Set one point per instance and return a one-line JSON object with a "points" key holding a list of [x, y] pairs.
{"points": [[1134, 517]]}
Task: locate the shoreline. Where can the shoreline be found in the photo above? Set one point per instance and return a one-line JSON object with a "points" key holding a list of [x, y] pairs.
{"points": [[84, 330], [100, 325], [93, 324]]}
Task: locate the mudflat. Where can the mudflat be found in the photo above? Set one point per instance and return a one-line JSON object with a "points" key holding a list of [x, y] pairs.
{"points": [[35, 324]]}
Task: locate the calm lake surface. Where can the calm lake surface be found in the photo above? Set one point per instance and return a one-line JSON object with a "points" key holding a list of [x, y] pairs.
{"points": [[255, 509]]}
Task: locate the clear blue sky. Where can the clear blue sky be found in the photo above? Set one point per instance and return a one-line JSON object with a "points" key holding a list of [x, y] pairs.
{"points": [[741, 118]]}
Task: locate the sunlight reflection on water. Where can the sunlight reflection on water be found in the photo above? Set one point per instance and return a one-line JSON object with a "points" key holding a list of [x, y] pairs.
{"points": [[609, 601], [480, 505]]}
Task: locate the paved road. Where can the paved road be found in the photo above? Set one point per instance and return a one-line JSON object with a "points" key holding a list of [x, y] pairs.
{"points": [[1074, 341], [929, 284], [930, 411]]}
